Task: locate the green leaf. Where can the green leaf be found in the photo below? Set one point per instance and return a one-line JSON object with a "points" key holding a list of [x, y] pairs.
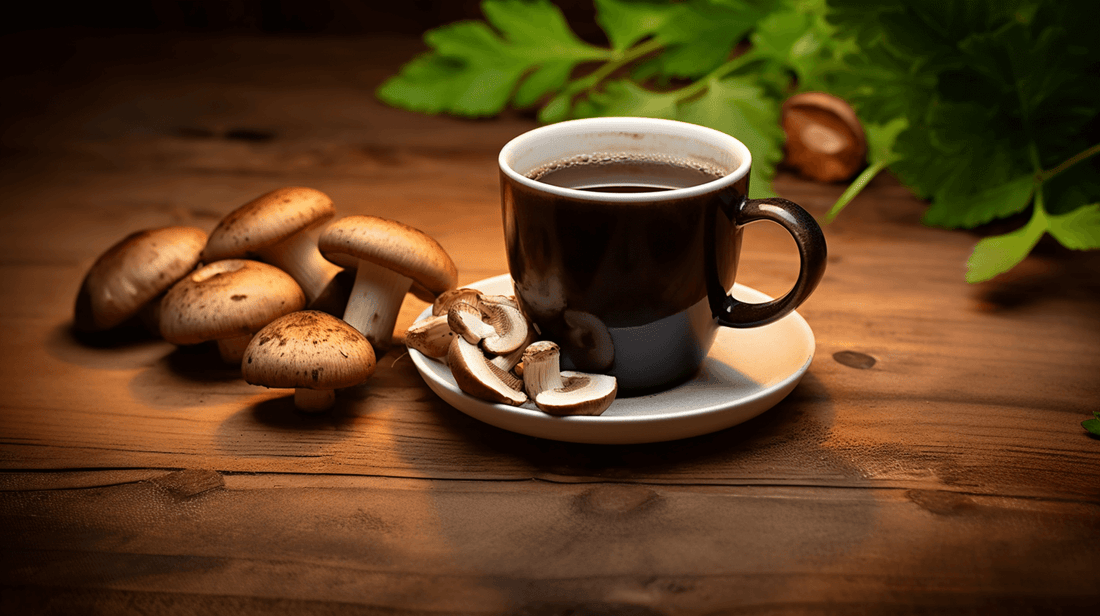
{"points": [[1079, 229], [973, 210], [881, 138], [1092, 425], [626, 98], [998, 254], [473, 70], [738, 107], [700, 34], [626, 23]]}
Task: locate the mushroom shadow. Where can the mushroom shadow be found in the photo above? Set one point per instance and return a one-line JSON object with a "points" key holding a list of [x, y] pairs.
{"points": [[188, 377], [275, 426], [125, 347]]}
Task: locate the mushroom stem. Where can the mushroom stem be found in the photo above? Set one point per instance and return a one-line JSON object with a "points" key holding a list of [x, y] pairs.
{"points": [[232, 349], [313, 400], [375, 302], [298, 256]]}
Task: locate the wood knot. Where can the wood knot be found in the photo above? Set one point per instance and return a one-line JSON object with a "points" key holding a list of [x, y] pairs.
{"points": [[853, 359], [190, 482], [616, 498], [940, 502]]}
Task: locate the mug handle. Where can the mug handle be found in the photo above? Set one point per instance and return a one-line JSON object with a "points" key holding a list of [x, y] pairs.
{"points": [[811, 249]]}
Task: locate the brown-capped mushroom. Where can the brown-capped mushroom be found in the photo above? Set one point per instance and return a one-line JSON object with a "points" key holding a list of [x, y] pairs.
{"points": [[280, 228], [228, 301], [476, 376], [312, 352], [390, 259], [132, 274], [825, 140], [564, 393]]}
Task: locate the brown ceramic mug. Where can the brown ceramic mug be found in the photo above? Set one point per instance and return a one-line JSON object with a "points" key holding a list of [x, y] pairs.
{"points": [[623, 237]]}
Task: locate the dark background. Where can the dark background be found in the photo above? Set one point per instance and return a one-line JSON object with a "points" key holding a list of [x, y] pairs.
{"points": [[347, 17]]}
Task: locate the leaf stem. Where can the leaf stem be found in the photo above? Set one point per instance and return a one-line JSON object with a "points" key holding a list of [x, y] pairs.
{"points": [[595, 77], [857, 186], [1069, 162], [704, 82]]}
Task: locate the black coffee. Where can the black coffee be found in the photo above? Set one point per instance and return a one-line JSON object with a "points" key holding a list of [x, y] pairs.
{"points": [[623, 174]]}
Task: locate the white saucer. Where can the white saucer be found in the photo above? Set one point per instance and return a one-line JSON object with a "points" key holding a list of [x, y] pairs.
{"points": [[746, 373]]}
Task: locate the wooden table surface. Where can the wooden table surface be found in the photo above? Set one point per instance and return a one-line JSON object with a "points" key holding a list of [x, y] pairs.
{"points": [[932, 459]]}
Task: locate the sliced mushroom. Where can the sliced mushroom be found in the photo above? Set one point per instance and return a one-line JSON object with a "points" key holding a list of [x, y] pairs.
{"points": [[431, 336], [443, 303], [564, 393], [498, 328], [476, 376]]}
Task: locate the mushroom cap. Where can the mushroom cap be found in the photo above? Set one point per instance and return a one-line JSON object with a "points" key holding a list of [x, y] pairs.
{"points": [[308, 349], [229, 298], [267, 220], [133, 272], [395, 246], [825, 140]]}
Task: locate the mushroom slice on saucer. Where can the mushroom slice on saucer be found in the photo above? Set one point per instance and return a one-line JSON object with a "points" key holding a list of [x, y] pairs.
{"points": [[479, 378], [390, 258], [130, 276], [498, 328], [313, 352], [564, 393], [280, 228], [431, 336], [443, 303], [228, 301]]}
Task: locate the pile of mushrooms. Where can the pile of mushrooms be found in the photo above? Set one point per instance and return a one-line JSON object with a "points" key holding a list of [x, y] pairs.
{"points": [[249, 285], [494, 355]]}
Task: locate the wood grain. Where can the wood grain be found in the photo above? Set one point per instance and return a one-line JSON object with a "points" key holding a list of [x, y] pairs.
{"points": [[931, 460]]}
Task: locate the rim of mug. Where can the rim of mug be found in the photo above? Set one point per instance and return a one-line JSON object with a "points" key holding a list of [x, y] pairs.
{"points": [[715, 138]]}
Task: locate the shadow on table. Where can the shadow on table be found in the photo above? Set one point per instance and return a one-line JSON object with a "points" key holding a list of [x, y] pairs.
{"points": [[123, 348], [789, 434]]}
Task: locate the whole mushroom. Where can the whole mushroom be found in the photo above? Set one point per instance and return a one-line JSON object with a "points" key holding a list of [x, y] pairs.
{"points": [[390, 258], [279, 228], [825, 140], [312, 352], [131, 275], [228, 301]]}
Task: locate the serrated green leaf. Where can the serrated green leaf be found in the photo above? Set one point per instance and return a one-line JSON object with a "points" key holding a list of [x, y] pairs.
{"points": [[473, 69], [626, 23], [626, 98], [1079, 229], [550, 77], [989, 204], [738, 107], [998, 254], [700, 34]]}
